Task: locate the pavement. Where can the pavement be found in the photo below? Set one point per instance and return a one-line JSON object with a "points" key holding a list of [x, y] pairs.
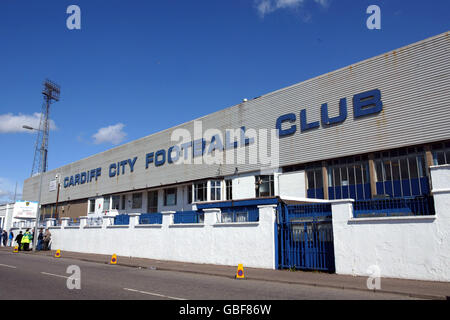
{"points": [[411, 288]]}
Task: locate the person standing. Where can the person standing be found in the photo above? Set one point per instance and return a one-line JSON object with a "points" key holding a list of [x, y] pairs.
{"points": [[19, 240], [47, 237], [40, 240], [11, 238], [26, 239], [5, 238]]}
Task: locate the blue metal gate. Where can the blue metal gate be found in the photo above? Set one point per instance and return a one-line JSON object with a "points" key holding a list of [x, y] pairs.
{"points": [[305, 237]]}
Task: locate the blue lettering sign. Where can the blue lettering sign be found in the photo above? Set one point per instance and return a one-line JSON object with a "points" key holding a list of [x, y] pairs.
{"points": [[290, 117], [162, 160], [171, 159], [367, 103], [148, 159], [112, 170], [364, 104], [83, 178], [326, 120], [304, 125], [131, 163]]}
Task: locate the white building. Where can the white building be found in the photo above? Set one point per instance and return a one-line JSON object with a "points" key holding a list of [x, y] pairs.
{"points": [[370, 132]]}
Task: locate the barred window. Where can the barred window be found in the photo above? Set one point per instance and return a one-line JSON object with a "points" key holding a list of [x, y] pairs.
{"points": [[349, 178], [401, 173], [441, 153], [314, 181]]}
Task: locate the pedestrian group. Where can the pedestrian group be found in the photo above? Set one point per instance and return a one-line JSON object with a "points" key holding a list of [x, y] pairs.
{"points": [[24, 240]]}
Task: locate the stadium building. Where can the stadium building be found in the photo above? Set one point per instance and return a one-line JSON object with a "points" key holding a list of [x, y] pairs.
{"points": [[367, 131], [345, 172]]}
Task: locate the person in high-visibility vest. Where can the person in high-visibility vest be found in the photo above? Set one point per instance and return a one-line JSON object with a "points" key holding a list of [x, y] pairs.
{"points": [[26, 239]]}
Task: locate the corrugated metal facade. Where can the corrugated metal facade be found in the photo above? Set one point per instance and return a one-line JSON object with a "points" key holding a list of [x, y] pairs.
{"points": [[415, 89]]}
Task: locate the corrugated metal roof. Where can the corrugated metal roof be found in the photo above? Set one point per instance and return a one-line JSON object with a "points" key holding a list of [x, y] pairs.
{"points": [[414, 82]]}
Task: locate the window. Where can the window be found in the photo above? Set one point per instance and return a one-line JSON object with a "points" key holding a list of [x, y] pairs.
{"points": [[189, 196], [137, 201], [349, 178], [441, 153], [229, 189], [200, 190], [124, 198], [401, 173], [106, 203], [264, 186], [152, 201], [115, 202], [170, 197], [91, 205], [216, 189], [314, 182], [49, 211]]}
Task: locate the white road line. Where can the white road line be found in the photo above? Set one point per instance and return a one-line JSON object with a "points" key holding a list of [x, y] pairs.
{"points": [[54, 275], [154, 294], [5, 265]]}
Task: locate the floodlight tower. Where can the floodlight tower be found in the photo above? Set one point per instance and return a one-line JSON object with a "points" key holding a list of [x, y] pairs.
{"points": [[51, 94]]}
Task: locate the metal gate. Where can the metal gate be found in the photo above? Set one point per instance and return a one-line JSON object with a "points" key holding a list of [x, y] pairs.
{"points": [[305, 237]]}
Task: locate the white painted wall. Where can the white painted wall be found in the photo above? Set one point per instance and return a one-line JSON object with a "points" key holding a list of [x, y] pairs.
{"points": [[402, 247], [244, 187], [3, 214], [292, 184], [251, 243], [6, 212]]}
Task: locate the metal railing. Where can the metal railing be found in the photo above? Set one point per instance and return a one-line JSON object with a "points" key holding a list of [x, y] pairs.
{"points": [[73, 223], [239, 214], [310, 210], [94, 222], [121, 220], [150, 218], [181, 217], [419, 206]]}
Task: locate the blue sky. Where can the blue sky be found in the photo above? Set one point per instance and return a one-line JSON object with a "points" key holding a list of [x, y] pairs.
{"points": [[137, 67]]}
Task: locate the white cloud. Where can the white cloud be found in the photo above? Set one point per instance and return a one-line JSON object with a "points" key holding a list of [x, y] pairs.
{"points": [[112, 134], [323, 3], [10, 123], [267, 6]]}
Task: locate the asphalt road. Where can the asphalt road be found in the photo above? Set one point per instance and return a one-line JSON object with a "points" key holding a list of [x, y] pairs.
{"points": [[24, 276]]}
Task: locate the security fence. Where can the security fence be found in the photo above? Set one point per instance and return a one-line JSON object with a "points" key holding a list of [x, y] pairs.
{"points": [[94, 222], [121, 220], [150, 218], [73, 222], [239, 214], [181, 217], [418, 206]]}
